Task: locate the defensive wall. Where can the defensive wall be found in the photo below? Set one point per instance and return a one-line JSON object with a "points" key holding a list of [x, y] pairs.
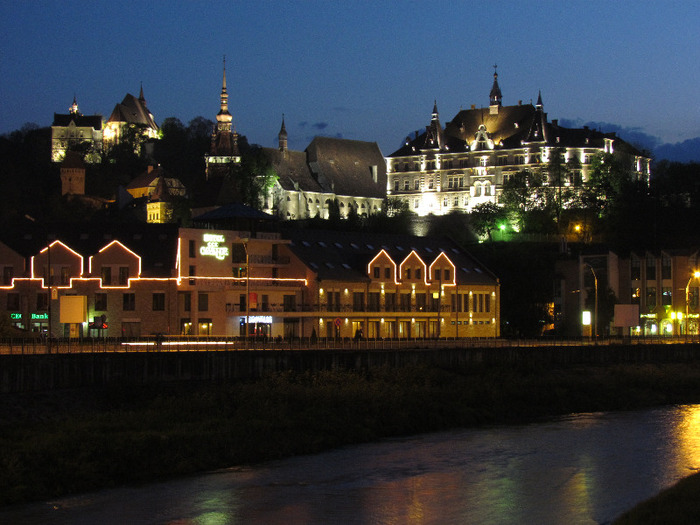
{"points": [[36, 372]]}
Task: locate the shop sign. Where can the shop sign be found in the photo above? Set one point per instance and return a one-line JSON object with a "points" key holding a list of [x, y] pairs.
{"points": [[212, 247], [16, 317], [263, 319], [40, 317]]}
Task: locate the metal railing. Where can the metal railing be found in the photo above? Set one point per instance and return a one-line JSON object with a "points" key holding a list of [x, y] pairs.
{"points": [[40, 346]]}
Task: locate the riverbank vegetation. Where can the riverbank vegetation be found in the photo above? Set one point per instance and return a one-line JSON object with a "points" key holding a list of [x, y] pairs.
{"points": [[62, 442]]}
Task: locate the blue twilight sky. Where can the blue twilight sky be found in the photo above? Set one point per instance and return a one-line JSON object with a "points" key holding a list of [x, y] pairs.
{"points": [[367, 70]]}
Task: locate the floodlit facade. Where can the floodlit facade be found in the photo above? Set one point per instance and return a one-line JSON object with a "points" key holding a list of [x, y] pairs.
{"points": [[159, 279], [466, 163], [307, 184], [349, 173], [74, 129], [133, 113]]}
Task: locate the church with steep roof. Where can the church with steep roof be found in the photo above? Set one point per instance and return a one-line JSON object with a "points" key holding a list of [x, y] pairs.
{"points": [[466, 163], [349, 174], [330, 172], [131, 113]]}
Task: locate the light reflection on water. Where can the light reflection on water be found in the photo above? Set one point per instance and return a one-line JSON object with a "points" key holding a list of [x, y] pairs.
{"points": [[582, 469]]}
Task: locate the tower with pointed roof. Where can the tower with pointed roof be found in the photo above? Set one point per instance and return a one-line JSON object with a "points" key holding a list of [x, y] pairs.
{"points": [[495, 97], [224, 140], [283, 137]]}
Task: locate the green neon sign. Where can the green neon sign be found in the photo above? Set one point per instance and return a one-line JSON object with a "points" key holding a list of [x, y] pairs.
{"points": [[16, 317], [40, 317]]}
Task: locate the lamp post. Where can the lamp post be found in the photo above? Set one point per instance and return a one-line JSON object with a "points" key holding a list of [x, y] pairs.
{"points": [[247, 290], [595, 312], [695, 275]]}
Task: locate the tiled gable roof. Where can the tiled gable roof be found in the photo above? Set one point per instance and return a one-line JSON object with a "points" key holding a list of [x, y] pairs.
{"points": [[292, 170], [345, 255], [80, 121], [132, 111], [156, 244], [345, 166], [509, 128]]}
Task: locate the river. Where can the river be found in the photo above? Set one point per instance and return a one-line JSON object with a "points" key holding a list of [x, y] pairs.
{"points": [[580, 469]]}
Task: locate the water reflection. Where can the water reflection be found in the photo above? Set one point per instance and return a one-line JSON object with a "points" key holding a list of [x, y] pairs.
{"points": [[688, 432], [587, 468]]}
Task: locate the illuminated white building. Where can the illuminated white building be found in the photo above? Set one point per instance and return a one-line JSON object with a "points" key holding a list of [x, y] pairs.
{"points": [[467, 162], [75, 129], [351, 173]]}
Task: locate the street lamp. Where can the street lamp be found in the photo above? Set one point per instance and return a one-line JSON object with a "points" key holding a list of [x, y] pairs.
{"points": [[247, 289], [595, 312], [695, 275]]}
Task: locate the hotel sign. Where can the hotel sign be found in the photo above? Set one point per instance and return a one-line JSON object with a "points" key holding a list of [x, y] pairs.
{"points": [[212, 247]]}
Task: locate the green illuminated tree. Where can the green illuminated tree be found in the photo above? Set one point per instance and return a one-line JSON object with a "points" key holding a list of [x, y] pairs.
{"points": [[485, 218], [525, 196]]}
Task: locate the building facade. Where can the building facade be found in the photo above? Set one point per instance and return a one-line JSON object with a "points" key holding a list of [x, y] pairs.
{"points": [[75, 129], [349, 174], [159, 279], [466, 163], [658, 290]]}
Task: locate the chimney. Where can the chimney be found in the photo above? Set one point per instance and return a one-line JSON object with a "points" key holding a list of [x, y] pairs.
{"points": [[473, 106], [555, 122], [520, 102]]}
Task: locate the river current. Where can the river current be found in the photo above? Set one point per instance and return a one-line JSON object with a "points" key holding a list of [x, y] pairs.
{"points": [[580, 469]]}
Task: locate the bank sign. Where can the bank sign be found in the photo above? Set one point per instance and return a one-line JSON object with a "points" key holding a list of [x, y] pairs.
{"points": [[212, 246], [33, 317]]}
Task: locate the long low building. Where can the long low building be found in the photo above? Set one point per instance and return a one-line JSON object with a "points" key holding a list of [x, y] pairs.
{"points": [[160, 279]]}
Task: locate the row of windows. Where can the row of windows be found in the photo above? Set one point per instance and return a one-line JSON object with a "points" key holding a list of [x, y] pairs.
{"points": [[650, 267], [485, 160], [100, 301], [651, 296], [410, 302], [413, 273]]}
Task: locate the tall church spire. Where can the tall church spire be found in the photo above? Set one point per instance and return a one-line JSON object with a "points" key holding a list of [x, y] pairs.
{"points": [[495, 95], [283, 136], [224, 141], [224, 118]]}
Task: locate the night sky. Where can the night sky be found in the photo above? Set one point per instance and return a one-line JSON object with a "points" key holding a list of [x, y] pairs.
{"points": [[359, 70]]}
